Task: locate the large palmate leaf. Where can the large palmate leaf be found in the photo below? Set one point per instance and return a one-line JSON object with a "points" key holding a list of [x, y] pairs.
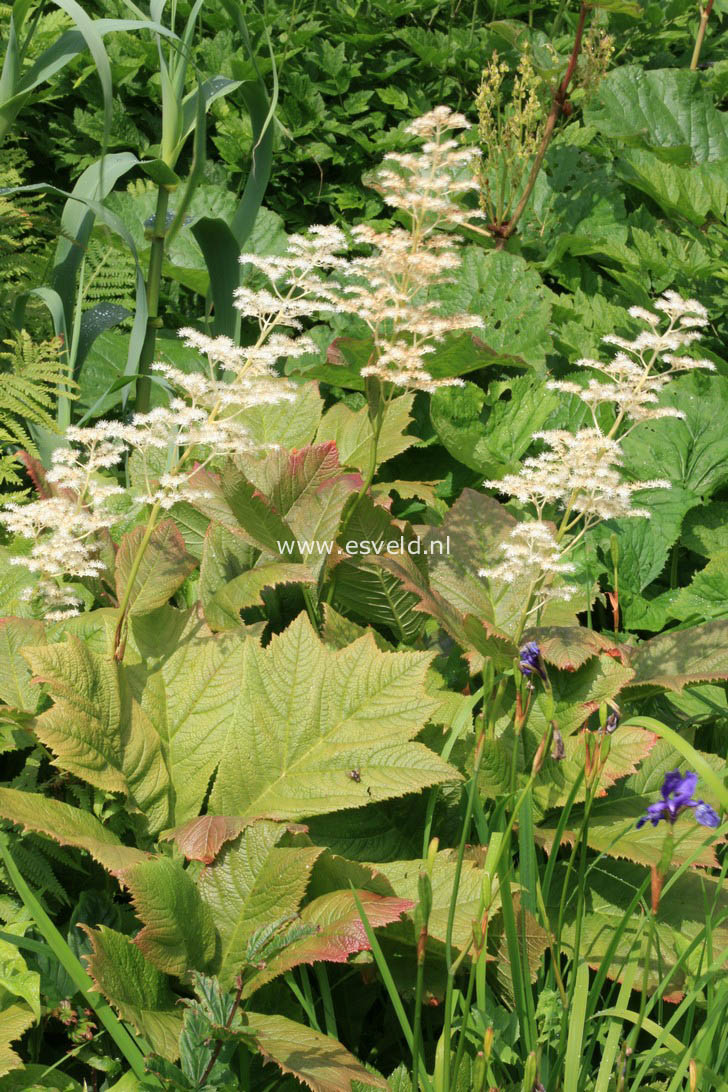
{"points": [[705, 530], [695, 191], [96, 728], [178, 932], [188, 690], [668, 109], [223, 607], [611, 886], [644, 544], [306, 716], [135, 987], [403, 878], [316, 1060], [707, 594], [68, 825], [253, 883], [511, 298], [153, 728], [164, 566], [292, 424], [487, 432]]}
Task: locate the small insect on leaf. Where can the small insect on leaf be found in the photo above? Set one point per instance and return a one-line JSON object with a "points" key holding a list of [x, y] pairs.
{"points": [[355, 775]]}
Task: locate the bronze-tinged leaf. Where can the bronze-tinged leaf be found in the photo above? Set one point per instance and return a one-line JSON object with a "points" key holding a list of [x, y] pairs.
{"points": [[252, 883], [314, 1059], [339, 931], [137, 990], [178, 933], [201, 839], [569, 647]]}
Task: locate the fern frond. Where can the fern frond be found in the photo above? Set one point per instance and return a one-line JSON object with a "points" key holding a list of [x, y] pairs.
{"points": [[36, 870], [110, 272], [31, 373]]}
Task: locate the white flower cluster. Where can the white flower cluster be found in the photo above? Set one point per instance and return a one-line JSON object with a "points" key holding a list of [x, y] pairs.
{"points": [[642, 368], [531, 550], [66, 528], [579, 473], [204, 420], [388, 288]]}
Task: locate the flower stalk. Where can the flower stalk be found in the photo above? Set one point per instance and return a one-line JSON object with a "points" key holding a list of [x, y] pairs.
{"points": [[504, 231], [702, 27]]}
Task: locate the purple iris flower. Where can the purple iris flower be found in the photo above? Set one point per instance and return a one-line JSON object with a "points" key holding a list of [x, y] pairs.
{"points": [[530, 660], [677, 794]]}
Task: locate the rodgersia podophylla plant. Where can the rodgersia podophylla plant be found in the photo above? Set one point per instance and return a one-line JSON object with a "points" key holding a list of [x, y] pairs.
{"points": [[576, 480], [386, 288], [202, 423]]}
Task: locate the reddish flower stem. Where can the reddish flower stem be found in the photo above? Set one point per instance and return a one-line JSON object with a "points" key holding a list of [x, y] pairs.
{"points": [[557, 105]]}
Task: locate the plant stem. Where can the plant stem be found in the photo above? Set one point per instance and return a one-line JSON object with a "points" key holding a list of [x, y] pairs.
{"points": [[154, 282], [506, 230], [219, 1044], [417, 1022], [704, 16], [450, 964], [73, 968]]}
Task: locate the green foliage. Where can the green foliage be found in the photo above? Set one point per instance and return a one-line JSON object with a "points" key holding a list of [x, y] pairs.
{"points": [[293, 801]]}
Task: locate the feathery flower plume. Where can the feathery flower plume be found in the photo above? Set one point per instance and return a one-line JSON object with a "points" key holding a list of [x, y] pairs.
{"points": [[388, 287], [579, 473], [531, 550], [640, 371]]}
